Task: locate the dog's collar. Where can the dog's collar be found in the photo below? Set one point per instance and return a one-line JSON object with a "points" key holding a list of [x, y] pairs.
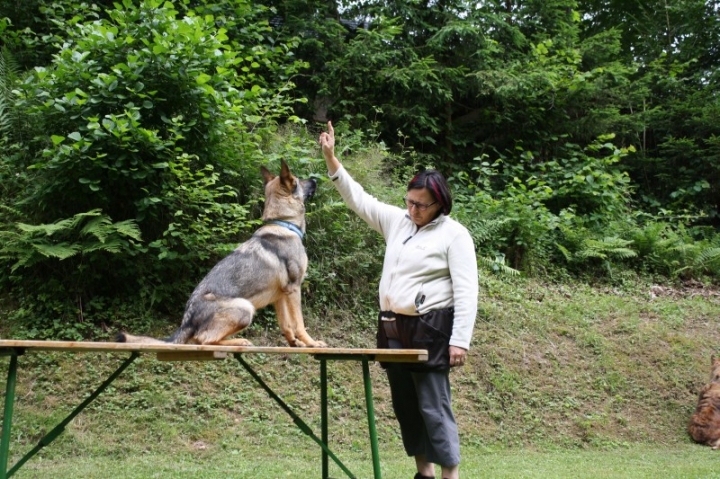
{"points": [[287, 225]]}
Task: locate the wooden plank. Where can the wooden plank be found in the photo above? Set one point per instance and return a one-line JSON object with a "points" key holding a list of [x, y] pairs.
{"points": [[389, 355], [191, 355], [403, 358]]}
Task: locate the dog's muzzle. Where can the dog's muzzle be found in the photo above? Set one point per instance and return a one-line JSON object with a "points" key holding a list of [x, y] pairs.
{"points": [[309, 188]]}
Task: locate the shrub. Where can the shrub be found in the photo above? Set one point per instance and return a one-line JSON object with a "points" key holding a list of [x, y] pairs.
{"points": [[143, 132]]}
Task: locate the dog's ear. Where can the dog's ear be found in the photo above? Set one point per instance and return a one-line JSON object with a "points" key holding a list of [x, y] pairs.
{"points": [[267, 176], [286, 177]]}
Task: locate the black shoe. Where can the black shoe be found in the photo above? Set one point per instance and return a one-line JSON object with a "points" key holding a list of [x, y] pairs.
{"points": [[420, 476]]}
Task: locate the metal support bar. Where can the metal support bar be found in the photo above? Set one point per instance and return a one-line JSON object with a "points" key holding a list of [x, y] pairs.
{"points": [[371, 418], [296, 419], [52, 435], [324, 416], [7, 415]]}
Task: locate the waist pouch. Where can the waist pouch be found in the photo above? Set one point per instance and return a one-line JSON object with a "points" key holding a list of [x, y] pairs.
{"points": [[429, 331]]}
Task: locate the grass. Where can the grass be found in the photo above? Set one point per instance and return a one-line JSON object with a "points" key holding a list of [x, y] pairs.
{"points": [[562, 381], [678, 462]]}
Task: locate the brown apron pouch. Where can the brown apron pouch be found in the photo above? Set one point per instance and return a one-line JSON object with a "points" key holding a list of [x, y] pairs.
{"points": [[384, 318]]}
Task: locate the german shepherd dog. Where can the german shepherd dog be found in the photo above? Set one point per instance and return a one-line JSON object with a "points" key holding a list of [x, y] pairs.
{"points": [[267, 269], [704, 425]]}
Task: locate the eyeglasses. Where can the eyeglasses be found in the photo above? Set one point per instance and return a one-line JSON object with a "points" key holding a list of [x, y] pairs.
{"points": [[419, 206]]}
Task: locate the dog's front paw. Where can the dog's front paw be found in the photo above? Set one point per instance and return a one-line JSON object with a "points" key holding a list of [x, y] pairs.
{"points": [[308, 343]]}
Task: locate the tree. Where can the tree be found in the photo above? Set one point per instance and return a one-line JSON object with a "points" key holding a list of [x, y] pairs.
{"points": [[675, 48]]}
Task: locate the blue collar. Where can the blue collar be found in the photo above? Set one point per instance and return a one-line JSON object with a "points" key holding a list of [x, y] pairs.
{"points": [[287, 225]]}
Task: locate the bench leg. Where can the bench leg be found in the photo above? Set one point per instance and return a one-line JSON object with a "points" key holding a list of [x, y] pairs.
{"points": [[371, 419], [324, 417], [7, 416], [52, 435], [296, 419]]}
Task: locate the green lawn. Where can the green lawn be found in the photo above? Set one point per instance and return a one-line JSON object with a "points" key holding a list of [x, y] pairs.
{"points": [[685, 461]]}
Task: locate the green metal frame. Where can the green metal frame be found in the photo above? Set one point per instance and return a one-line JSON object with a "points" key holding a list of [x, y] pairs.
{"points": [[327, 454], [57, 430], [323, 440], [7, 416]]}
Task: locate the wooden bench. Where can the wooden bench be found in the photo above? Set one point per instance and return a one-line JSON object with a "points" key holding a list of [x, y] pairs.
{"points": [[184, 352]]}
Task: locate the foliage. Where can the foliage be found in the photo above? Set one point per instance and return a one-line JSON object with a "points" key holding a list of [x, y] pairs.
{"points": [[173, 79], [536, 74], [534, 200], [137, 138], [30, 244], [676, 251], [580, 137], [6, 75]]}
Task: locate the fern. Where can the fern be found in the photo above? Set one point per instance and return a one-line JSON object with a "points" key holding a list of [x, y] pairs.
{"points": [[114, 245], [83, 234], [650, 238], [59, 251], [97, 227], [46, 229], [8, 72], [128, 228], [612, 247], [605, 250], [497, 265], [708, 257], [698, 259], [102, 228], [566, 253], [485, 230], [4, 119]]}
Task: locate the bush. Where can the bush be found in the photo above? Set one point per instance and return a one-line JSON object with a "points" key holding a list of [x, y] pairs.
{"points": [[140, 136]]}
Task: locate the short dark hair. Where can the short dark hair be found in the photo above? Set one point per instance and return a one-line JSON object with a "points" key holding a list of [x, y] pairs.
{"points": [[437, 185]]}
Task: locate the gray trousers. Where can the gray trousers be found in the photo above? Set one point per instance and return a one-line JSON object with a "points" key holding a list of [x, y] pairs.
{"points": [[421, 402]]}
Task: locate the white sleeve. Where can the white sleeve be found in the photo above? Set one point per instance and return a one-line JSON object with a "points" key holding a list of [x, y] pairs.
{"points": [[464, 274], [374, 212]]}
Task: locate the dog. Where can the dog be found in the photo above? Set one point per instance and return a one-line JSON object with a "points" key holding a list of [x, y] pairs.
{"points": [[269, 268], [704, 425]]}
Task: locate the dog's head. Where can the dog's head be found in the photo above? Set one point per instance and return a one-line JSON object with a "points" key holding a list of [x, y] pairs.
{"points": [[288, 183], [285, 195]]}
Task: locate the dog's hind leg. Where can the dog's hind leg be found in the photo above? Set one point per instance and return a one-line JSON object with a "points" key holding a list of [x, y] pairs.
{"points": [[290, 320], [231, 317]]}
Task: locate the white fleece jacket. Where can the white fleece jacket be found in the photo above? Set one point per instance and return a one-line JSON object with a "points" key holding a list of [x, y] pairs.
{"points": [[430, 268]]}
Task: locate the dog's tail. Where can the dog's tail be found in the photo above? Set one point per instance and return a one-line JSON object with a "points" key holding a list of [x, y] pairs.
{"points": [[123, 337], [182, 335]]}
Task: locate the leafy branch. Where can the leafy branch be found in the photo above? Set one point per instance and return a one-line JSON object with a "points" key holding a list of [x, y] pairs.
{"points": [[83, 233]]}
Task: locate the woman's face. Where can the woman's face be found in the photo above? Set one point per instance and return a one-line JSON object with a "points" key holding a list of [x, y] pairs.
{"points": [[421, 206]]}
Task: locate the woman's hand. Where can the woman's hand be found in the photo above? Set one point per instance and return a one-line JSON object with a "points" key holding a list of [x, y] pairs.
{"points": [[327, 143], [457, 356]]}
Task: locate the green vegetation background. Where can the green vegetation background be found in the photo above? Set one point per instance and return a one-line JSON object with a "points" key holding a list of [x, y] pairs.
{"points": [[580, 140]]}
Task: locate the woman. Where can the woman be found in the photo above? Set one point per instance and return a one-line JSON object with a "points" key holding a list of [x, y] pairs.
{"points": [[428, 300]]}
